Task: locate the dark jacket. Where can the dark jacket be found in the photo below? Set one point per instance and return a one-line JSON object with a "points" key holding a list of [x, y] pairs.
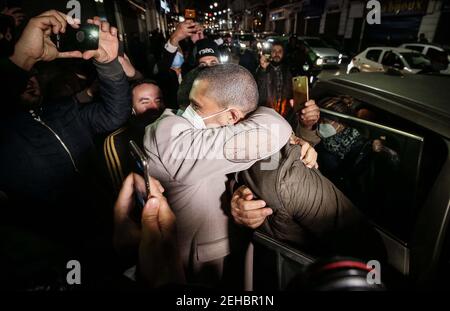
{"points": [[48, 168], [309, 211], [168, 79], [249, 60], [116, 150], [267, 86]]}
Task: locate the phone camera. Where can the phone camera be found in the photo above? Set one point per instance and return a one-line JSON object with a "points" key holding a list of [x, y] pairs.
{"points": [[80, 36]]}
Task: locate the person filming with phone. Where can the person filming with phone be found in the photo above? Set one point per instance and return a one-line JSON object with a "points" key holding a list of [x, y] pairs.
{"points": [[48, 164], [274, 82]]}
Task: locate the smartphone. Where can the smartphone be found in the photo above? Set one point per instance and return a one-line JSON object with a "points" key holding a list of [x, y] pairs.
{"points": [[121, 48], [84, 38], [142, 182], [300, 88], [190, 14]]}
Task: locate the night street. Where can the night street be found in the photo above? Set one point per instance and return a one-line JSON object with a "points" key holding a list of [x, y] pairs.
{"points": [[225, 154]]}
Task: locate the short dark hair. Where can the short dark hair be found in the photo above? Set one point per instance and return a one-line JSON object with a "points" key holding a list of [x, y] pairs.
{"points": [[231, 84], [144, 81]]}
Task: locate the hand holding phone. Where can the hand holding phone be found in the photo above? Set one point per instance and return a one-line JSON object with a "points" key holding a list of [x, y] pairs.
{"points": [[300, 88], [142, 167], [85, 38], [190, 14]]}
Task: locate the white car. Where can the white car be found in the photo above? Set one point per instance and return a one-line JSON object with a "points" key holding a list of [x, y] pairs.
{"points": [[325, 55], [429, 50], [379, 59]]}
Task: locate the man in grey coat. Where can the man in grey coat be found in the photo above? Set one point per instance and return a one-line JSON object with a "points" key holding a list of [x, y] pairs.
{"points": [[191, 153]]}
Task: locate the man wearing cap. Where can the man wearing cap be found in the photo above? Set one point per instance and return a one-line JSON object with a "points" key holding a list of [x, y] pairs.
{"points": [[207, 53], [173, 67]]}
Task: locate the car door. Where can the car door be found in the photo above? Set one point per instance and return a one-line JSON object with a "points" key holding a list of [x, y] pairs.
{"points": [[382, 180], [392, 60], [371, 61]]}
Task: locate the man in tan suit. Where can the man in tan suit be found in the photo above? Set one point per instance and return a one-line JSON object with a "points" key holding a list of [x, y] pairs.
{"points": [[191, 153]]}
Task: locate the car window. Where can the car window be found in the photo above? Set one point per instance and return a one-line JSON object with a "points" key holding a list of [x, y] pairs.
{"points": [[373, 55], [377, 167], [432, 51], [414, 47], [415, 60], [390, 59]]}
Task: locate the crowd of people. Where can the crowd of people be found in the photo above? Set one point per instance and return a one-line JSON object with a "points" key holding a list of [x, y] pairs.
{"points": [[210, 133]]}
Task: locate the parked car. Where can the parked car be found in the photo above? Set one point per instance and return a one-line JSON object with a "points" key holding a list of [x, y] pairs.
{"points": [[326, 55], [379, 59], [409, 205], [429, 50], [242, 41], [338, 46]]}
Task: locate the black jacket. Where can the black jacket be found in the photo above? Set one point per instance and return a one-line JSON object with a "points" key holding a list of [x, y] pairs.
{"points": [[48, 168], [168, 79]]}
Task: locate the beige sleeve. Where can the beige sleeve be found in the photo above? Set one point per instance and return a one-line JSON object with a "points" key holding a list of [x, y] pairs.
{"points": [[189, 154]]}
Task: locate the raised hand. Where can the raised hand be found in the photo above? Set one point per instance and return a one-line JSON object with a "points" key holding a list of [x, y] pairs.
{"points": [[35, 44], [108, 44]]}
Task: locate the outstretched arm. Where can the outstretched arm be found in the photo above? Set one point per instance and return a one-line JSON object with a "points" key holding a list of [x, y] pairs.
{"points": [[115, 108]]}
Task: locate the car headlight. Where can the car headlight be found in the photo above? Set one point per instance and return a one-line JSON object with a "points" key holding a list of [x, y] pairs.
{"points": [[258, 45], [319, 61], [242, 45], [223, 59], [340, 55], [266, 45]]}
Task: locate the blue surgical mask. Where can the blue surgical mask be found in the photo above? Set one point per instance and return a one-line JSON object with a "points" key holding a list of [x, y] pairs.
{"points": [[178, 60], [199, 123], [326, 130]]}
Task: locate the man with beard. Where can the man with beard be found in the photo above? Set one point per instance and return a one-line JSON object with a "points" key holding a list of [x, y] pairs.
{"points": [[275, 82], [147, 107]]}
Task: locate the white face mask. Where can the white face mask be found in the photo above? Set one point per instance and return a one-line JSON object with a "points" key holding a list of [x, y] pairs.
{"points": [[326, 130], [198, 122]]}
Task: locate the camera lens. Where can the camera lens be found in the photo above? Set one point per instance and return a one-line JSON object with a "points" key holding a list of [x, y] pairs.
{"points": [[80, 36]]}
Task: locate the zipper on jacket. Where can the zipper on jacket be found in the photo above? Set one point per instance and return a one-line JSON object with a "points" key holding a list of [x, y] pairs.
{"points": [[38, 119]]}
